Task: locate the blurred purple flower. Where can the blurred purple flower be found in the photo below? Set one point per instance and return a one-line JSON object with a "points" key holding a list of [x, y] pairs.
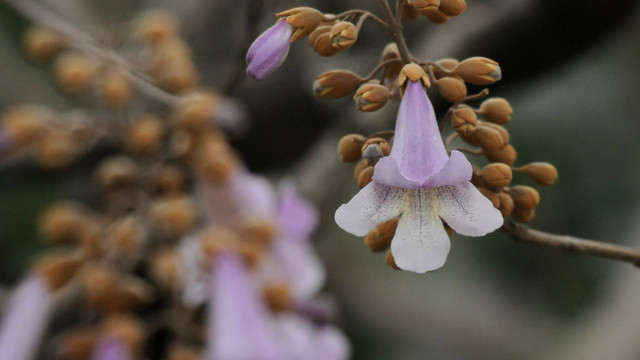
{"points": [[269, 50], [24, 319], [239, 324], [110, 348], [421, 183]]}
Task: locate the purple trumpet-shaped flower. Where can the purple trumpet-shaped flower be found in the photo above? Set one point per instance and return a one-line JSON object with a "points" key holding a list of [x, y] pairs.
{"points": [[24, 319], [269, 50], [111, 349], [423, 185], [239, 324]]}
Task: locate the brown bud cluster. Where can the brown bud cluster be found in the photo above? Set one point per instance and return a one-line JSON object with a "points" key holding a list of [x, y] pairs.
{"points": [[303, 19], [336, 84], [371, 96], [439, 11], [478, 71], [350, 147]]}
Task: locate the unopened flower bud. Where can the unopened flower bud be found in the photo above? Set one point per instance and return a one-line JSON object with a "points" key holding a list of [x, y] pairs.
{"points": [[145, 134], [26, 124], [523, 215], [464, 120], [78, 344], [409, 12], [118, 171], [524, 197], [371, 97], [62, 222], [424, 6], [350, 147], [174, 217], [542, 173], [75, 71], [57, 269], [42, 43], [336, 84], [506, 155], [215, 161], [452, 89], [435, 16], [195, 111], [278, 297], [343, 35], [496, 175], [390, 260], [183, 352], [487, 138], [379, 238], [360, 166], [165, 266], [479, 71], [413, 72], [492, 196], [497, 110], [156, 25], [170, 181], [375, 148], [259, 232], [126, 328], [452, 7], [506, 203], [506, 138], [56, 150], [392, 70], [321, 41], [116, 88], [445, 68], [178, 75], [365, 177], [303, 19], [125, 235]]}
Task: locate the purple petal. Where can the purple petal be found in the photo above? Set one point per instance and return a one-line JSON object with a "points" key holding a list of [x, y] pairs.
{"points": [[24, 319], [421, 243], [295, 264], [309, 342], [298, 217], [373, 205], [111, 349], [466, 210], [418, 158], [269, 50], [239, 325]]}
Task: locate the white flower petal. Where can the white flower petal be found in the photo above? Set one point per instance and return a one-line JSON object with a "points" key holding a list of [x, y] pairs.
{"points": [[466, 210], [373, 205], [420, 244]]}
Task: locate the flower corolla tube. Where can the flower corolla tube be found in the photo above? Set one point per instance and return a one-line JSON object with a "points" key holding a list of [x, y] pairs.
{"points": [[269, 50]]}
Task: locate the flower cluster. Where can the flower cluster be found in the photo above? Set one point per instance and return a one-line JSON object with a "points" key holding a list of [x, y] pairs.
{"points": [[416, 188], [188, 255]]}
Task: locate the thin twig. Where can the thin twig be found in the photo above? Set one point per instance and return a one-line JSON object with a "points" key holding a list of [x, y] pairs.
{"points": [[523, 233], [356, 12], [395, 30]]}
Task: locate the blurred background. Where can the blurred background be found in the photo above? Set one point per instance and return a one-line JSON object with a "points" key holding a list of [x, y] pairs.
{"points": [[571, 72]]}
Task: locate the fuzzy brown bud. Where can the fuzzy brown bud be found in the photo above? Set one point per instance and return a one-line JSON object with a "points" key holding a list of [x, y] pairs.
{"points": [[496, 175], [413, 72], [156, 25], [371, 97], [320, 40], [164, 268], [390, 260], [194, 112], [260, 232], [145, 134], [506, 155], [57, 269], [453, 90], [42, 43], [126, 328], [423, 6], [524, 197], [62, 221], [174, 217], [303, 19], [56, 150], [435, 16], [479, 71], [78, 344], [75, 72], [343, 35], [392, 70], [375, 148], [542, 173], [350, 147], [118, 171], [452, 7], [116, 88], [361, 165], [278, 297], [182, 352], [523, 215], [464, 120], [126, 235], [497, 110], [445, 67], [409, 12], [506, 203], [27, 124], [365, 177], [487, 138], [170, 181], [336, 84], [504, 134], [379, 238]]}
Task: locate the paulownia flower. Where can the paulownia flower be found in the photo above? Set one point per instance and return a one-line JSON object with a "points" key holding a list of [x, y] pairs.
{"points": [[423, 185], [111, 349], [269, 50], [25, 319]]}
